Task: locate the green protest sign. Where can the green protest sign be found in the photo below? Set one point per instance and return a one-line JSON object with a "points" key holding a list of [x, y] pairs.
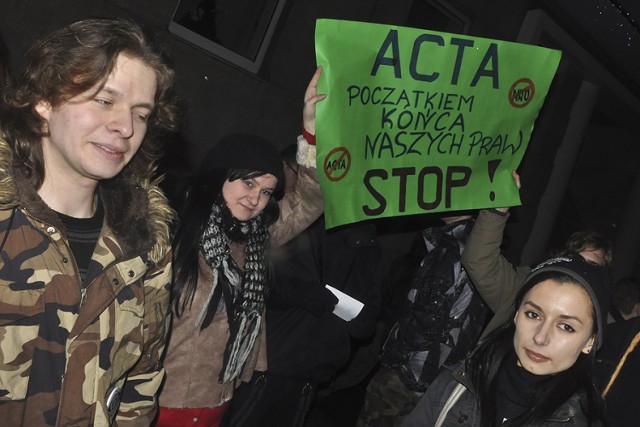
{"points": [[419, 121]]}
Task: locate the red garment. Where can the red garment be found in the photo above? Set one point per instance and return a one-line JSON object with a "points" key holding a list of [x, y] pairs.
{"points": [[191, 417], [311, 139]]}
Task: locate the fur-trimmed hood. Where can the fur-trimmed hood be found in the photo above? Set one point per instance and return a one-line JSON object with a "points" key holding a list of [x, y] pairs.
{"points": [[136, 210]]}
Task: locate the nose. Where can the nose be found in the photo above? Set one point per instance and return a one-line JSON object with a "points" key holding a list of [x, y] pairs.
{"points": [[254, 197], [122, 122], [541, 336]]}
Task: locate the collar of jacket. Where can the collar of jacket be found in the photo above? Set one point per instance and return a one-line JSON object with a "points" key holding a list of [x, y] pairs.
{"points": [[458, 231], [135, 208], [565, 413]]}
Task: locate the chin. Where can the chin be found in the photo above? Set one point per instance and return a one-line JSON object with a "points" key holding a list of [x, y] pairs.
{"points": [[104, 173], [242, 218]]}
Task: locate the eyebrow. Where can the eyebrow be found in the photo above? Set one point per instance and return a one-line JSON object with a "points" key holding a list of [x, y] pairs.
{"points": [[253, 179], [117, 94], [562, 316]]}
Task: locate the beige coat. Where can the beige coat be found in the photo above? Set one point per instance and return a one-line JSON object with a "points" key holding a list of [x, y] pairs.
{"points": [[194, 357]]}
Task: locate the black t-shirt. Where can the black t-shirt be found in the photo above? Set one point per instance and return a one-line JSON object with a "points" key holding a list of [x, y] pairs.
{"points": [[83, 235]]}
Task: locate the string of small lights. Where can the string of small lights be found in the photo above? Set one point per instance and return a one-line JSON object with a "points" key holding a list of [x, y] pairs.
{"points": [[626, 15]]}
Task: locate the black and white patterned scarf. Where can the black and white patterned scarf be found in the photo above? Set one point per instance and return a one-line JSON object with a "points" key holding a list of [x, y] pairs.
{"points": [[243, 292]]}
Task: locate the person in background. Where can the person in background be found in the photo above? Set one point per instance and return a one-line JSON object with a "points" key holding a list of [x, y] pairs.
{"points": [[591, 245], [625, 299], [619, 357], [537, 368], [85, 255], [307, 344], [440, 320], [229, 220]]}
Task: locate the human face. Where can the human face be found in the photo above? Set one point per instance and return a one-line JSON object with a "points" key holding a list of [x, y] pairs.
{"points": [[593, 256], [94, 135], [554, 324], [247, 198]]}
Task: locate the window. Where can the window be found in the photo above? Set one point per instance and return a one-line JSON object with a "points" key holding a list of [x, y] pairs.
{"points": [[437, 15], [238, 31]]}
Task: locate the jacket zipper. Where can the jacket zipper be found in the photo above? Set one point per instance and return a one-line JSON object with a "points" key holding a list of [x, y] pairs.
{"points": [[83, 289]]}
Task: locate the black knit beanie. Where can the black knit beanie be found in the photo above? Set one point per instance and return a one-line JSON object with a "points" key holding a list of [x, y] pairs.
{"points": [[594, 278], [246, 151]]}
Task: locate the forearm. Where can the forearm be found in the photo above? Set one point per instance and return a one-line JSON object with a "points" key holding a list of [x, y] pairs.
{"points": [[302, 206], [492, 274]]}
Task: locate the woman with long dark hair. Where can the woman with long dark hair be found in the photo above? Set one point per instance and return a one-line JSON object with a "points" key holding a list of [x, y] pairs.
{"points": [[230, 217], [537, 369]]}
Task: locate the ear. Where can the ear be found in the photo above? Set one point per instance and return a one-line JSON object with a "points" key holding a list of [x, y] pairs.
{"points": [[44, 109], [589, 345]]}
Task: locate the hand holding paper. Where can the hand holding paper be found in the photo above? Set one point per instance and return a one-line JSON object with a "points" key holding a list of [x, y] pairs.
{"points": [[347, 307]]}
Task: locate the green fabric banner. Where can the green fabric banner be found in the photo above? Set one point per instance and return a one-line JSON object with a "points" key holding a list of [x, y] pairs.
{"points": [[419, 121]]}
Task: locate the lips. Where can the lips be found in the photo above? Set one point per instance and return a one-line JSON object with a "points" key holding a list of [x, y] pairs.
{"points": [[536, 357], [247, 208], [109, 150]]}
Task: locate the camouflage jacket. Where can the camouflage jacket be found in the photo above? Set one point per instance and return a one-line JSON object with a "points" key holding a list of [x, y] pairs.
{"points": [[82, 358]]}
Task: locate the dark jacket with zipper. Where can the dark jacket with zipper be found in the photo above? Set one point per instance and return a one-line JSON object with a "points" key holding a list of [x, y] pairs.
{"points": [[466, 410]]}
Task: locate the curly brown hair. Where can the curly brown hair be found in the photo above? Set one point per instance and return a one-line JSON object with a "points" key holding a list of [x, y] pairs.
{"points": [[73, 60]]}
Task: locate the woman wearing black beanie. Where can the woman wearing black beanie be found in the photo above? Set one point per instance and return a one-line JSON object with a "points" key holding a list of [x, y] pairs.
{"points": [[537, 369], [231, 214]]}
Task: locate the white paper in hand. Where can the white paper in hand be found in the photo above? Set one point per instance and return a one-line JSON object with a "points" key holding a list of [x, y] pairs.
{"points": [[347, 307]]}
